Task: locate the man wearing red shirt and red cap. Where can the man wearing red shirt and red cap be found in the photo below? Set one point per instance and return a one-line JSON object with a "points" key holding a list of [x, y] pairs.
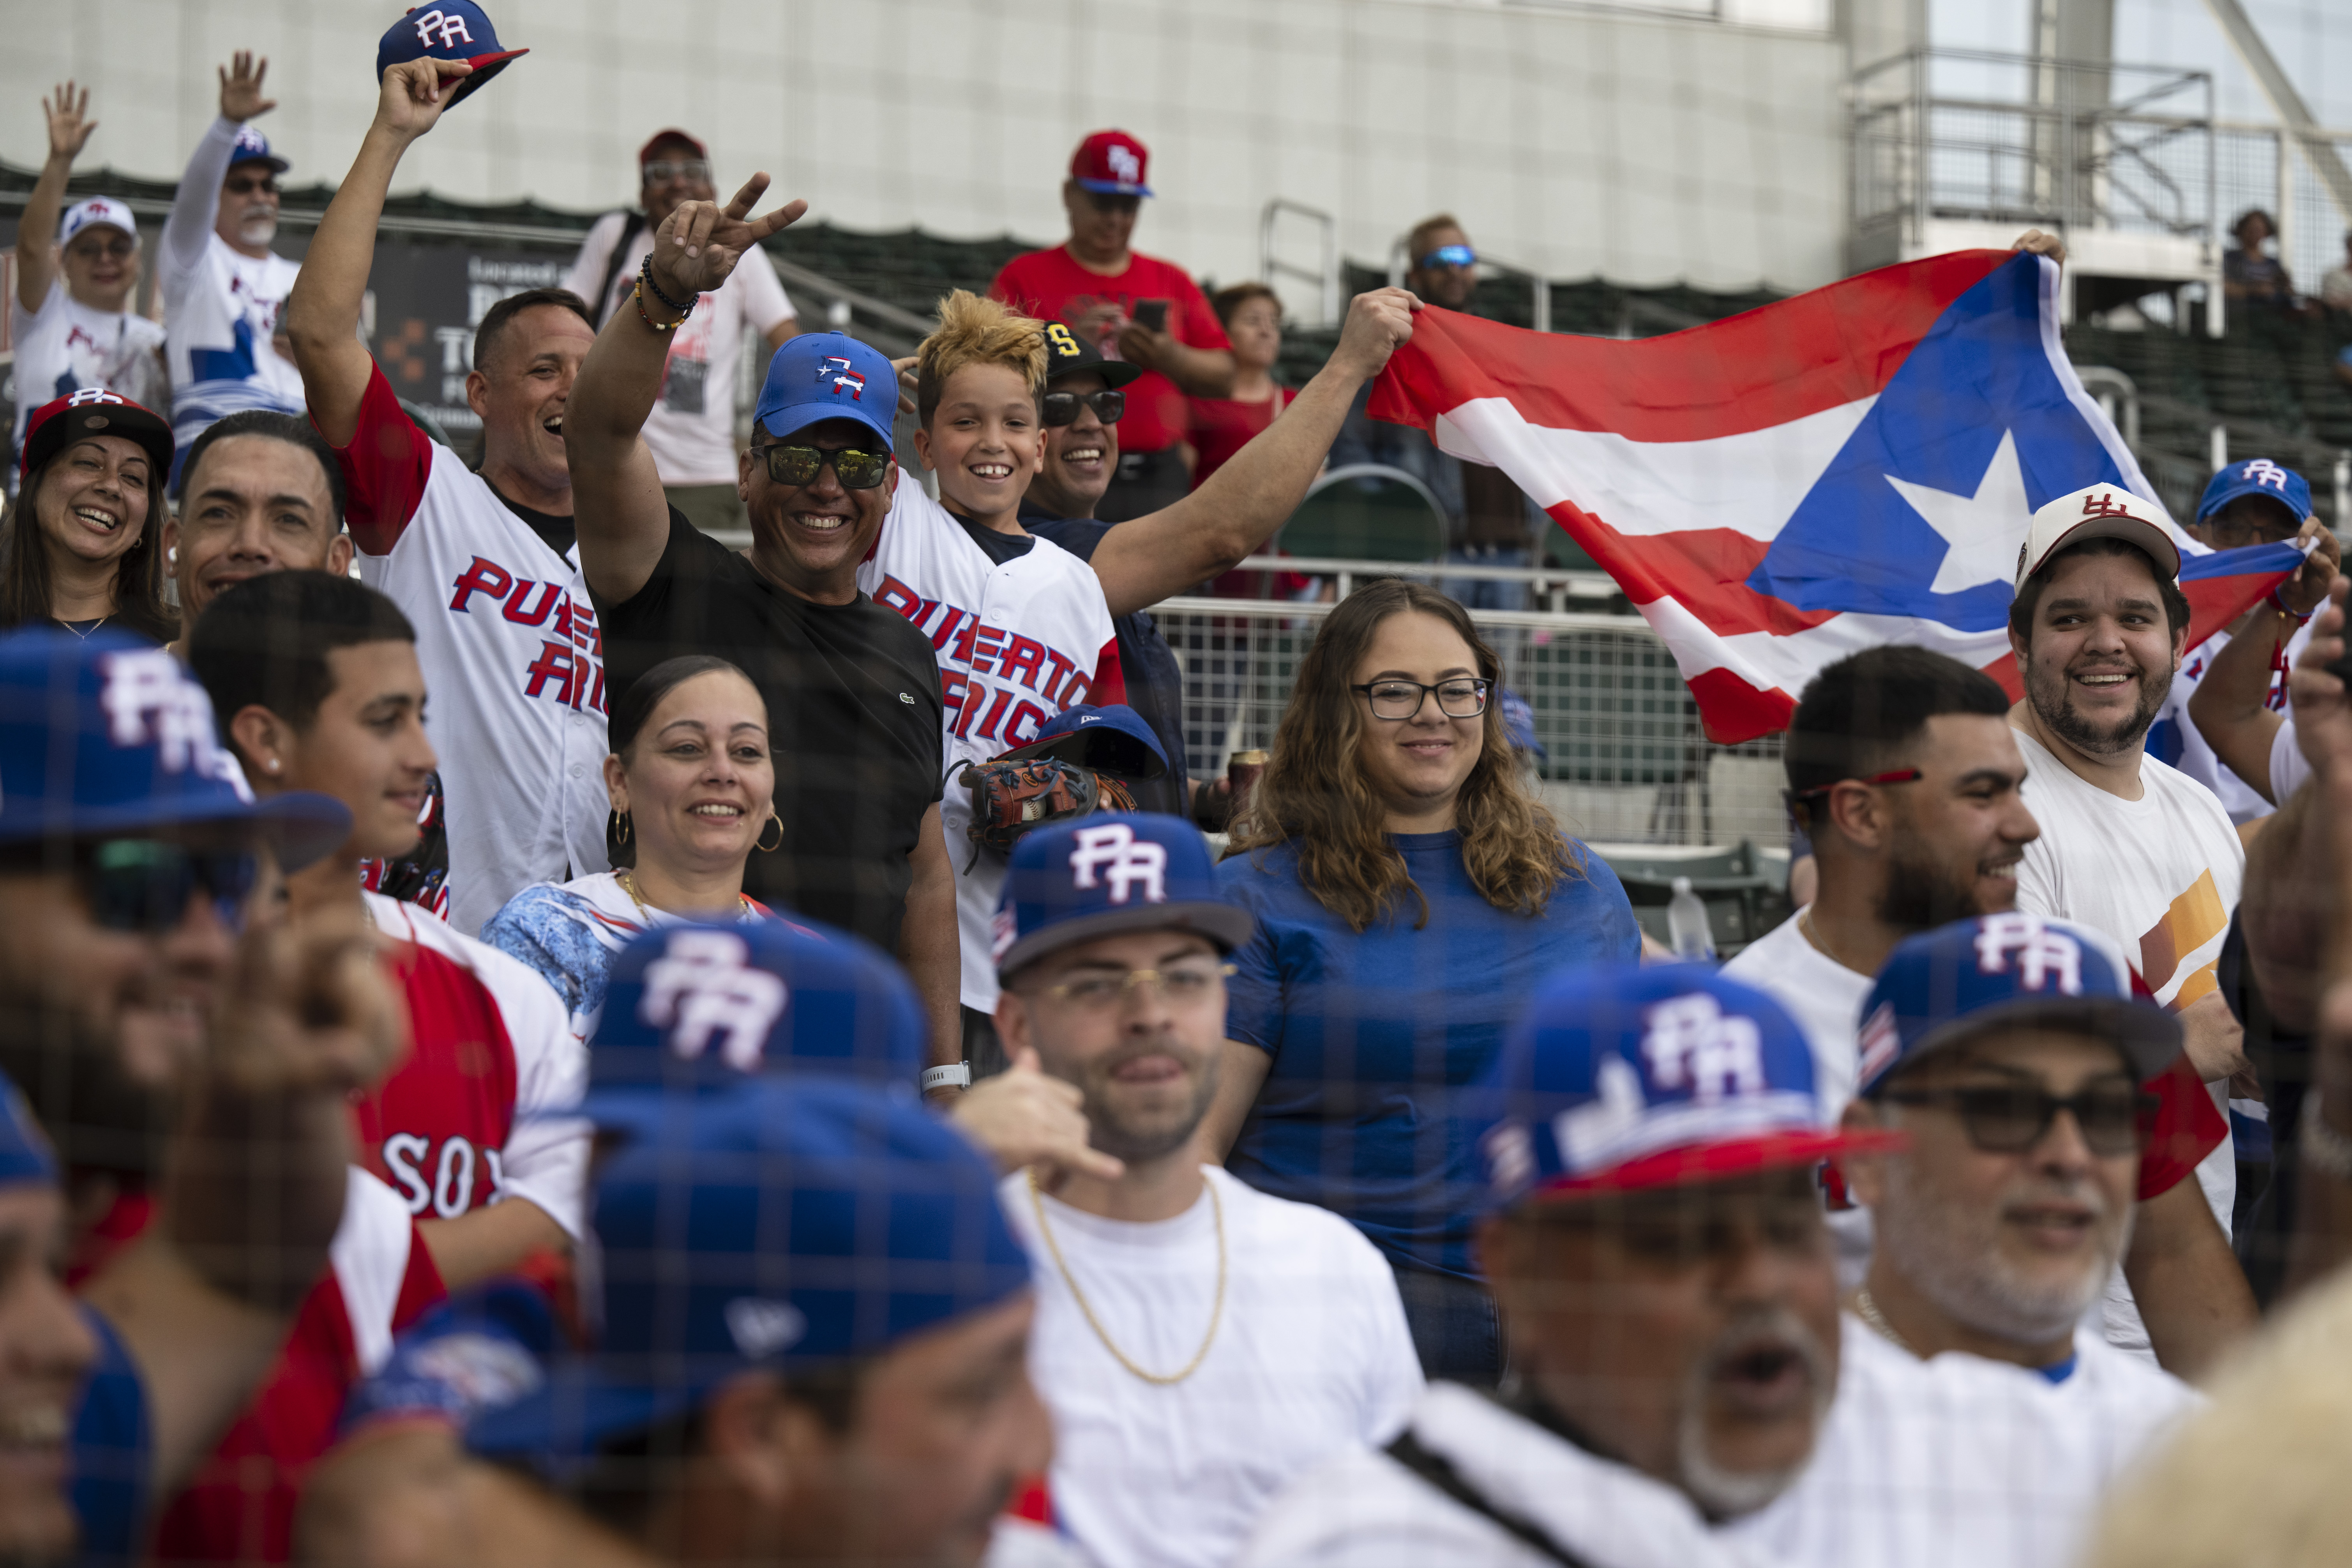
{"points": [[1134, 308]]}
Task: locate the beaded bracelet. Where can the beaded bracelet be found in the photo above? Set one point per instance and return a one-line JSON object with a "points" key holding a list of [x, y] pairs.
{"points": [[646, 275], [639, 294], [2298, 618]]}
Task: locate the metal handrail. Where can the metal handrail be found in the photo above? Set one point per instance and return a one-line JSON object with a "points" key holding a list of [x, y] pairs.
{"points": [[1271, 266]]}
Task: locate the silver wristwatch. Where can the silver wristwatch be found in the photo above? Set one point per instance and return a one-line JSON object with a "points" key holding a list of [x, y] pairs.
{"points": [[956, 1075]]}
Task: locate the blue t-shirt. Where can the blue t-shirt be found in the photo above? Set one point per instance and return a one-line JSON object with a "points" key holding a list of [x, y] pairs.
{"points": [[114, 1455], [1371, 1032]]}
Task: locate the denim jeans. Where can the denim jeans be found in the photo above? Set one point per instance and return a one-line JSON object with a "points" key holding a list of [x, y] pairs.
{"points": [[1478, 592], [1454, 1326]]}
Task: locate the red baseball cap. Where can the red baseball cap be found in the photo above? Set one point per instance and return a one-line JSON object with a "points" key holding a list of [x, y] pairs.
{"points": [[1111, 163], [645, 152], [94, 411]]}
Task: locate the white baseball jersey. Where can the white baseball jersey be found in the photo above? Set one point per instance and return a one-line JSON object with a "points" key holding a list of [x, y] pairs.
{"points": [[220, 308], [65, 345], [472, 1116], [514, 663], [1956, 1461], [1018, 641]]}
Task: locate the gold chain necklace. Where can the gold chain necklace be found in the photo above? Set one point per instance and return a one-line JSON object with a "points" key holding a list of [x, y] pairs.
{"points": [[629, 886], [1216, 1311], [1877, 1320]]}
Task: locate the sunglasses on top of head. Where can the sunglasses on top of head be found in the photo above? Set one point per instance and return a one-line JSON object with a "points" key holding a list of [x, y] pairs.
{"points": [[1062, 408], [796, 465]]}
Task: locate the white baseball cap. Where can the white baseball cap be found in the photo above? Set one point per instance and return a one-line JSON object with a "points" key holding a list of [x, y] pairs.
{"points": [[2098, 511], [97, 210]]}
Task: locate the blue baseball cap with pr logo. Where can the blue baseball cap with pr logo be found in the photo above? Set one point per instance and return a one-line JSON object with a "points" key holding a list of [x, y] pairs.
{"points": [[1110, 872], [2256, 477], [454, 30], [819, 376]]}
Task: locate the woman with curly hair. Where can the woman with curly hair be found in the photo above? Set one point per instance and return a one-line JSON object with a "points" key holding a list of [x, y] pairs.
{"points": [[1409, 891]]}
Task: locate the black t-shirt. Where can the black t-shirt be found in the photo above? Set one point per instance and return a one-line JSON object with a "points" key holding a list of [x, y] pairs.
{"points": [[854, 718], [1155, 677], [556, 532], [998, 547]]}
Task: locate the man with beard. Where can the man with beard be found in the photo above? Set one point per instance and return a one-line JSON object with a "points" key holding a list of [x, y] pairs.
{"points": [[223, 288], [1683, 1389], [1199, 1343], [2129, 846], [195, 1086]]}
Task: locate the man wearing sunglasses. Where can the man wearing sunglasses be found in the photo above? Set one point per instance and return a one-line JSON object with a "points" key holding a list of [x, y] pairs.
{"points": [[2010, 1052], [1199, 1342], [224, 288], [70, 318], [852, 689], [1086, 397], [1489, 521], [1135, 307], [692, 427], [195, 1084]]}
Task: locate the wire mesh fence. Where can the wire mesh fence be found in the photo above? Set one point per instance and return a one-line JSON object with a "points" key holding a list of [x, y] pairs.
{"points": [[1620, 754]]}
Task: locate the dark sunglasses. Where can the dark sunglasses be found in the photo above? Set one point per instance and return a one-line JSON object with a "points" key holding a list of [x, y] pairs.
{"points": [[2010, 1118], [144, 884], [91, 249], [856, 470], [1062, 408], [247, 185]]}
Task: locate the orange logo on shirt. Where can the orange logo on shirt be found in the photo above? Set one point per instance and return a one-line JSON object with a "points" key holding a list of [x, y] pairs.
{"points": [[2194, 919]]}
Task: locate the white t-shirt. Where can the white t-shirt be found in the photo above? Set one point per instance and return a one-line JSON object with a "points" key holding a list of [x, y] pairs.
{"points": [[221, 310], [1312, 1355], [65, 345], [691, 430], [2159, 876], [2198, 758], [1953, 1463], [2289, 769], [1824, 997]]}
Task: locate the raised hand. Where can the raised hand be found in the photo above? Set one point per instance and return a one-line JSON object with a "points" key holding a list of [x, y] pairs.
{"points": [[1021, 1117], [2322, 707], [1378, 324], [698, 244], [68, 131], [2307, 589], [309, 1010], [413, 94], [240, 84]]}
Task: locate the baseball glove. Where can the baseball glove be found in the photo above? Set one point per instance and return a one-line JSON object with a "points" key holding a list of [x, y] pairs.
{"points": [[1009, 797]]}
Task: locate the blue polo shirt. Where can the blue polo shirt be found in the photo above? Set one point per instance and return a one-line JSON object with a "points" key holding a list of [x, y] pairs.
{"points": [[1372, 1032]]}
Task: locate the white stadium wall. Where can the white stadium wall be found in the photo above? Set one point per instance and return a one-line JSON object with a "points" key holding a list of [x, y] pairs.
{"points": [[1645, 148]]}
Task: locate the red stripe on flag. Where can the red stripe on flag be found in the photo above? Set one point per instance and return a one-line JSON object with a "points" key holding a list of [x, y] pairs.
{"points": [[1731, 710], [1705, 568], [1764, 367]]}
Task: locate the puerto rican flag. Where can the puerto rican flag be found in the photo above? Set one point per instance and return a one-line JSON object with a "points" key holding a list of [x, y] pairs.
{"points": [[1851, 467]]}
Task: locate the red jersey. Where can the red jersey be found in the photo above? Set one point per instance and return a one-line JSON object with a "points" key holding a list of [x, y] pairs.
{"points": [[462, 1123], [239, 1506], [1052, 287]]}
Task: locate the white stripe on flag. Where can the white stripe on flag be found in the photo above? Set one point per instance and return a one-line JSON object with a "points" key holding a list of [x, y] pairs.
{"points": [[1768, 662], [1750, 483]]}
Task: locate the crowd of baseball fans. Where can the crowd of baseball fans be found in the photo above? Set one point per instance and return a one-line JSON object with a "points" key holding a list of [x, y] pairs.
{"points": [[534, 1037]]}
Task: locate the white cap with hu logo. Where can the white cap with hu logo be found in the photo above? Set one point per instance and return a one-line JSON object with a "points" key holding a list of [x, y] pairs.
{"points": [[2099, 511]]}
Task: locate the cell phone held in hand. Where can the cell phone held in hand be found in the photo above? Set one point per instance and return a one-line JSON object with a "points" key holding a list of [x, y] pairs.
{"points": [[1150, 313]]}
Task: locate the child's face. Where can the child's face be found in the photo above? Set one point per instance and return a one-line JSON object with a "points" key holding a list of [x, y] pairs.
{"points": [[985, 439]]}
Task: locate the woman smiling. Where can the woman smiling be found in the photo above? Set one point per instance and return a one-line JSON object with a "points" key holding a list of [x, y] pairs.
{"points": [[80, 550], [1410, 893], [693, 785]]}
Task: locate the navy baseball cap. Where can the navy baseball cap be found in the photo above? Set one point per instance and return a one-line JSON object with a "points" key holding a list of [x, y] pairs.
{"points": [[1113, 871], [1620, 1079], [2007, 971], [453, 30], [827, 375], [1112, 737], [695, 1007], [1066, 354], [253, 147], [778, 1224], [2256, 477], [108, 734]]}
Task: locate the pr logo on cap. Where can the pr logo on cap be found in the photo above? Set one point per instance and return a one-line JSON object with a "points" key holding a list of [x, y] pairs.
{"points": [[89, 395], [2044, 957], [760, 1328], [836, 370], [704, 989], [148, 701], [2263, 471], [450, 28], [1124, 861]]}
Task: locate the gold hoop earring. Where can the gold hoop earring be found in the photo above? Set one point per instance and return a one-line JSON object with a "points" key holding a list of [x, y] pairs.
{"points": [[778, 844], [620, 827]]}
